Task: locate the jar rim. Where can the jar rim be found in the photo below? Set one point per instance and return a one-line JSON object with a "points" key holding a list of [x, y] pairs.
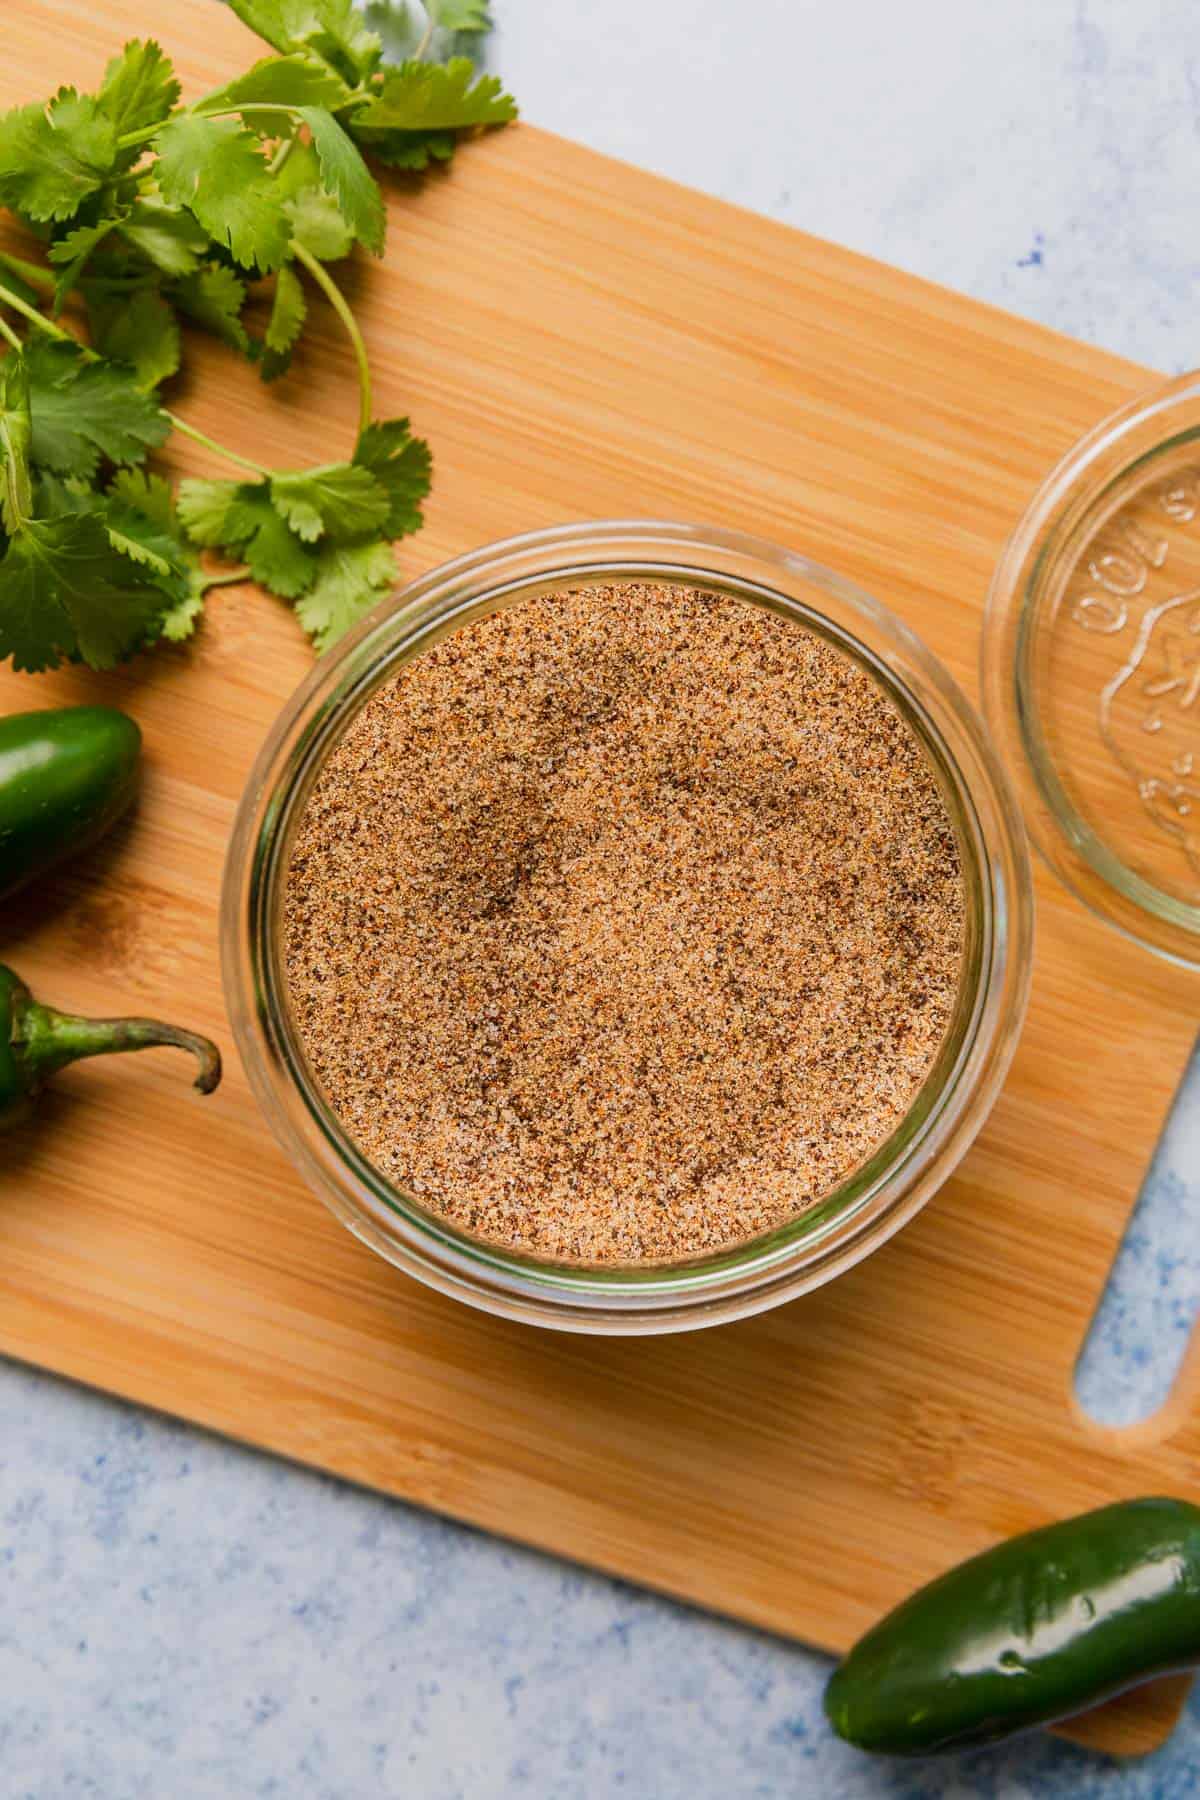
{"points": [[816, 1244]]}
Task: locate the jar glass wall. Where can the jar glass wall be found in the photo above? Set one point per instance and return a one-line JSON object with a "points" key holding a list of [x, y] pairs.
{"points": [[879, 1196]]}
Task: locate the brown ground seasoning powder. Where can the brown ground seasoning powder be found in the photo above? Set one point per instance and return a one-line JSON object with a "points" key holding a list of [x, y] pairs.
{"points": [[625, 923]]}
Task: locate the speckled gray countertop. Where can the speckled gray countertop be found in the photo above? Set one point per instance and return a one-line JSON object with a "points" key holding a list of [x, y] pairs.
{"points": [[180, 1618]]}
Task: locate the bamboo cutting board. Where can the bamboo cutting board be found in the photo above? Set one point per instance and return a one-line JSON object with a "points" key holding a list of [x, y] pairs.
{"points": [[580, 340]]}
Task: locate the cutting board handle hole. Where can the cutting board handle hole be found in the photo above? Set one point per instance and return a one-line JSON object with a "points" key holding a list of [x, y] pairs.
{"points": [[1138, 1338]]}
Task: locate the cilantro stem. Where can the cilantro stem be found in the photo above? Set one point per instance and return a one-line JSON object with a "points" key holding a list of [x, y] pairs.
{"points": [[230, 456], [8, 298], [7, 331], [228, 577], [31, 272], [14, 449], [128, 139], [18, 490], [337, 300], [426, 37]]}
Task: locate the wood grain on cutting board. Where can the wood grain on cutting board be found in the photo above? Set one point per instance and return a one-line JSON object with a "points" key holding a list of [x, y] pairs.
{"points": [[580, 340]]}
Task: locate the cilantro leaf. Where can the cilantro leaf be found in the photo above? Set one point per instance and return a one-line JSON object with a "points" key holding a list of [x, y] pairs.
{"points": [[421, 96], [399, 25], [214, 297], [271, 19], [330, 27], [52, 157], [61, 496], [316, 219], [141, 507], [64, 592], [317, 225], [230, 515], [96, 574], [141, 542], [300, 170], [139, 88], [402, 465], [341, 499], [407, 149], [72, 252], [181, 618], [402, 27], [412, 119], [345, 175], [141, 330], [459, 15], [287, 310], [300, 79], [16, 430], [167, 236], [274, 555], [216, 168], [83, 410], [150, 495], [351, 579], [203, 507]]}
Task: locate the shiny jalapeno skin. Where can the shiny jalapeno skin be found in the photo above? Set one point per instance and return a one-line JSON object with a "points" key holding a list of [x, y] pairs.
{"points": [[1028, 1633], [65, 776]]}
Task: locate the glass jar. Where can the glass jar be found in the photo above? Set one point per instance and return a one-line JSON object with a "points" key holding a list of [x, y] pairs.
{"points": [[1091, 668], [878, 1197]]}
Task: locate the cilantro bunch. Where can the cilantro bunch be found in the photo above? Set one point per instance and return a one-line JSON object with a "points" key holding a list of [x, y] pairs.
{"points": [[150, 214]]}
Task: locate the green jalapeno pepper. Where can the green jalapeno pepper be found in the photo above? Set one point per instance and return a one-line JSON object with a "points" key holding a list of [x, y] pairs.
{"points": [[1030, 1632], [65, 777]]}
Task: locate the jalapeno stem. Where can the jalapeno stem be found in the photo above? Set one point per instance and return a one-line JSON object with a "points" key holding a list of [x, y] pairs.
{"points": [[50, 1040]]}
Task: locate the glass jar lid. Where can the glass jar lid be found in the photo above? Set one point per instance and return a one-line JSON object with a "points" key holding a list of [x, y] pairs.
{"points": [[1091, 668]]}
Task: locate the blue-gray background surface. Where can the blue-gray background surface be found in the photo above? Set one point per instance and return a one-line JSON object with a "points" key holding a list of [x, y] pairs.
{"points": [[182, 1619]]}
